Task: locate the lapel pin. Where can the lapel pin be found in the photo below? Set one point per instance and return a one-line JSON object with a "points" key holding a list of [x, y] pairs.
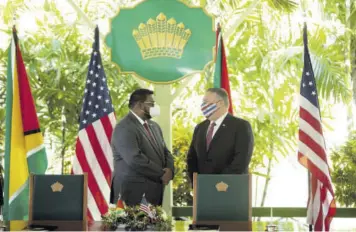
{"points": [[223, 125]]}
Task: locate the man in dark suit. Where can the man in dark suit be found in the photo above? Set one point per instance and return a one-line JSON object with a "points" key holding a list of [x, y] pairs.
{"points": [[222, 144], [142, 162]]}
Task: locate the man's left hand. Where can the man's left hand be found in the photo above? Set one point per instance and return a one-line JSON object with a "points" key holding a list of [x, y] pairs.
{"points": [[167, 176]]}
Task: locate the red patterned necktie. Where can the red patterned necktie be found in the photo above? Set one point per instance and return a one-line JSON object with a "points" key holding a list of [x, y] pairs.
{"points": [[149, 133], [209, 136]]}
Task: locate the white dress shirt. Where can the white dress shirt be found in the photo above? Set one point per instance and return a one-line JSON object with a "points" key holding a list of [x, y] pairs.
{"points": [[138, 118], [218, 123]]}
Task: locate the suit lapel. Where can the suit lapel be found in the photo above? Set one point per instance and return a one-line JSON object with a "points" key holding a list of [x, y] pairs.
{"points": [[156, 137], [144, 132], [202, 137]]}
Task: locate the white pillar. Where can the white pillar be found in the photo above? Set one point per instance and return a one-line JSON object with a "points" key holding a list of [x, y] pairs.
{"points": [[163, 97]]}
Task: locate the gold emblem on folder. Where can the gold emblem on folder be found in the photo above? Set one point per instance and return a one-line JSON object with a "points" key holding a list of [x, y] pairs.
{"points": [[221, 187], [57, 187]]}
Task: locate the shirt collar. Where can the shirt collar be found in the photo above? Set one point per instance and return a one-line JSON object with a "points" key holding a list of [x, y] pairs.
{"points": [[219, 120], [138, 118]]}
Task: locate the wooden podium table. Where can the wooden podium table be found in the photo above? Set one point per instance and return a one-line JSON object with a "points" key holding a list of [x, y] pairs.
{"points": [[62, 225]]}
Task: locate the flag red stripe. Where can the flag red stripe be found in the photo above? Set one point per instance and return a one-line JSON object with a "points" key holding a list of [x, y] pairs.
{"points": [[330, 215], [93, 185], [224, 75], [107, 127], [225, 82], [120, 204], [99, 154], [313, 122], [28, 109], [320, 220], [145, 208], [315, 171], [318, 226], [314, 146], [331, 210], [90, 218]]}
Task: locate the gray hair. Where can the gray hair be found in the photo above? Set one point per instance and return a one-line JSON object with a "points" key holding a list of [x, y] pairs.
{"points": [[221, 94]]}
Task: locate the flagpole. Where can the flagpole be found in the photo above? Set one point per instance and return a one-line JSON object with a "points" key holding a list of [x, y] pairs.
{"points": [[309, 191], [3, 167], [4, 208], [303, 6], [309, 176]]}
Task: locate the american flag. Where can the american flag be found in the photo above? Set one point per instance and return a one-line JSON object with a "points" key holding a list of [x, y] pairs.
{"points": [[93, 150], [145, 207], [312, 150]]}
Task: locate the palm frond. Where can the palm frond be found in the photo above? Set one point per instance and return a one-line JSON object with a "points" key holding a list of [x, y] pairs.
{"points": [[283, 5], [328, 69], [332, 79]]}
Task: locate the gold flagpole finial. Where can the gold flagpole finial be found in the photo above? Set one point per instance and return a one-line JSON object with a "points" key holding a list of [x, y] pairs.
{"points": [[218, 25], [97, 16], [14, 20], [304, 9]]}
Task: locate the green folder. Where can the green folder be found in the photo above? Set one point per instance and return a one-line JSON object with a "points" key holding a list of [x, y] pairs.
{"points": [[222, 198], [57, 197]]}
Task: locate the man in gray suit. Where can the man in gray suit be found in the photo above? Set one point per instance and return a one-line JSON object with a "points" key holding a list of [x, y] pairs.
{"points": [[222, 144], [142, 162]]}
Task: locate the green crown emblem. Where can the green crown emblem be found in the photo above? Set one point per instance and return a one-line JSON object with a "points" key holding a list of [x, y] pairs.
{"points": [[161, 38]]}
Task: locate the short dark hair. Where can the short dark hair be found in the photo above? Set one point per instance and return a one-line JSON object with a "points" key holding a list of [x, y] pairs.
{"points": [[139, 95], [221, 93]]}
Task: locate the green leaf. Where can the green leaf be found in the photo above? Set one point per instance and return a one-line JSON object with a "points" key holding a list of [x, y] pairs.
{"points": [[260, 174]]}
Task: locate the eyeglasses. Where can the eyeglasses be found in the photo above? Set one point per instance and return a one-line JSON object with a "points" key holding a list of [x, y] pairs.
{"points": [[151, 103], [208, 103]]}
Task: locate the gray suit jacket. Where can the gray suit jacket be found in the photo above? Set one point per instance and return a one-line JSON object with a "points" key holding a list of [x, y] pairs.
{"points": [[138, 162]]}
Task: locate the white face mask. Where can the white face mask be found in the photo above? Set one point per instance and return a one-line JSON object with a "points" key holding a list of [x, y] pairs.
{"points": [[155, 111]]}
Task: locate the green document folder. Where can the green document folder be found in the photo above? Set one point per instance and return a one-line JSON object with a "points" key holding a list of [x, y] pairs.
{"points": [[222, 198], [58, 197]]}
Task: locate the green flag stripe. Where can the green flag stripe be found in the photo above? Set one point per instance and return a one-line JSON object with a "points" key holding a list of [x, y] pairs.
{"points": [[19, 205], [37, 162], [8, 123], [16, 194]]}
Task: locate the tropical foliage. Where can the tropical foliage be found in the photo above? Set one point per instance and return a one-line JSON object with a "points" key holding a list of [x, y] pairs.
{"points": [[344, 174]]}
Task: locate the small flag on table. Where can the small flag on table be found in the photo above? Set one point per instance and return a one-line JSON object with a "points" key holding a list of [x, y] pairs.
{"points": [[145, 207], [120, 203]]}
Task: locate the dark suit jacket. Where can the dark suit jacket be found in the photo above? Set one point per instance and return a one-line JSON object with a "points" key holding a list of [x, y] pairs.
{"points": [[138, 162], [229, 152]]}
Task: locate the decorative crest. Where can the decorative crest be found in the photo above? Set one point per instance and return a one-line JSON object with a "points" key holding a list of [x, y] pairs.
{"points": [[161, 38]]}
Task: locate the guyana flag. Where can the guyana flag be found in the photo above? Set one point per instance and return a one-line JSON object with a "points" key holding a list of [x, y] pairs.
{"points": [[221, 76], [24, 148]]}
